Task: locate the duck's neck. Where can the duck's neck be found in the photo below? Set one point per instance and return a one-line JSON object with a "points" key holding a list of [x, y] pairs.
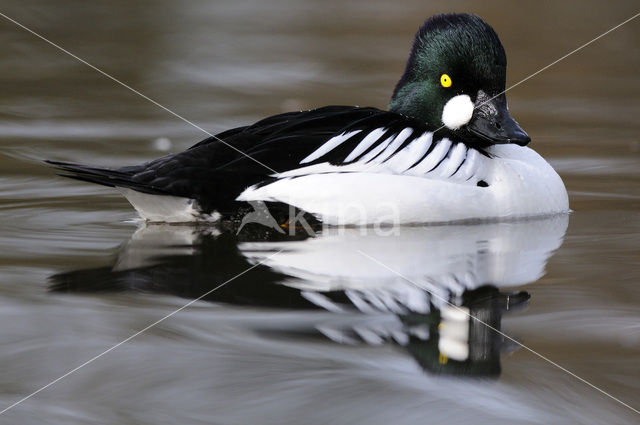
{"points": [[410, 99]]}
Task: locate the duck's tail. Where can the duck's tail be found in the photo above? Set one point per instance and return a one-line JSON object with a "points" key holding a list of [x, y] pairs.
{"points": [[168, 208], [119, 178]]}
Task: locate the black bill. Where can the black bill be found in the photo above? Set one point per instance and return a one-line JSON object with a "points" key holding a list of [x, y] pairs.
{"points": [[492, 123]]}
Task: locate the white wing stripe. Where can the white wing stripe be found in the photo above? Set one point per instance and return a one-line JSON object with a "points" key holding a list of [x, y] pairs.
{"points": [[408, 156], [375, 151], [450, 164], [329, 145], [391, 149], [469, 167], [439, 152], [369, 140]]}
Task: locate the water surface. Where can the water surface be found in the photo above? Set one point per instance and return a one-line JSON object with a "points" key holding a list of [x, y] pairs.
{"points": [[318, 333]]}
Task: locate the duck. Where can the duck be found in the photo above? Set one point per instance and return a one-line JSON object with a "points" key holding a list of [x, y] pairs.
{"points": [[445, 150]]}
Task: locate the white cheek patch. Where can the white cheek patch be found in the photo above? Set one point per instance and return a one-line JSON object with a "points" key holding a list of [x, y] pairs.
{"points": [[457, 112]]}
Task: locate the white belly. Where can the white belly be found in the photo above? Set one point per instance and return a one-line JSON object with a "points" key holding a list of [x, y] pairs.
{"points": [[520, 184]]}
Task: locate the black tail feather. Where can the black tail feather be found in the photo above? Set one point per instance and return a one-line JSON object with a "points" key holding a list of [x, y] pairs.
{"points": [[122, 177]]}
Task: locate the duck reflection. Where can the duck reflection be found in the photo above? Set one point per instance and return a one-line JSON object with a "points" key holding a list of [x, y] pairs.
{"points": [[431, 290]]}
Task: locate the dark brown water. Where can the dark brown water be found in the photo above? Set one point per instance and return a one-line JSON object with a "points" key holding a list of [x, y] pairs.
{"points": [[285, 343]]}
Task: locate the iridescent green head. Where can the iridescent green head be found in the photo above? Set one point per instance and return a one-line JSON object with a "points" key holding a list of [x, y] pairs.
{"points": [[455, 80]]}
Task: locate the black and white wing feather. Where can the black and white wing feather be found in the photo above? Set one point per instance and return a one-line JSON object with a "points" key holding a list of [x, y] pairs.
{"points": [[329, 139]]}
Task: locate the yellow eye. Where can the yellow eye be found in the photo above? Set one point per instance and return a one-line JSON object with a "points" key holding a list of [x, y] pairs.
{"points": [[445, 80]]}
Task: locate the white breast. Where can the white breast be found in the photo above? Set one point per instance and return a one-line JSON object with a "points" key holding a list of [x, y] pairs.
{"points": [[520, 184]]}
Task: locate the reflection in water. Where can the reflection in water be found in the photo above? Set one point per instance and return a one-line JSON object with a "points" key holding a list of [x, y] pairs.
{"points": [[433, 279]]}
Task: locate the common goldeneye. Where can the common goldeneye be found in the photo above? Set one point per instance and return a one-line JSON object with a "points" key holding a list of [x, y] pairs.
{"points": [[446, 150]]}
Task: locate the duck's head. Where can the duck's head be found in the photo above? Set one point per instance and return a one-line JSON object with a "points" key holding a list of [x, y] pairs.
{"points": [[455, 79]]}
